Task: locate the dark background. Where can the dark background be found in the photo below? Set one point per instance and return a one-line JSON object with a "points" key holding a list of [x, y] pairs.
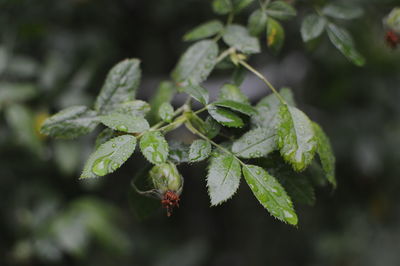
{"points": [[65, 48]]}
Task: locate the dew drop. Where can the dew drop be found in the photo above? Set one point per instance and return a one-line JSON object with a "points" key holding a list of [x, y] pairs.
{"points": [[100, 166], [122, 128], [289, 217]]}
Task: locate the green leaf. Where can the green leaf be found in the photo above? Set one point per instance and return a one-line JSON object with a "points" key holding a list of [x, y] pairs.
{"points": [[275, 35], [125, 123], [257, 22], [222, 7], [136, 107], [312, 27], [295, 137], [238, 76], [22, 122], [154, 147], [104, 136], [199, 150], [178, 152], [16, 92], [255, 143], [341, 11], [225, 117], [343, 41], [239, 5], [109, 156], [196, 63], [164, 93], [325, 153], [281, 10], [233, 93], [120, 86], [204, 30], [197, 92], [70, 123], [392, 20], [238, 37], [268, 108], [223, 177], [243, 108], [166, 112], [270, 194], [209, 127]]}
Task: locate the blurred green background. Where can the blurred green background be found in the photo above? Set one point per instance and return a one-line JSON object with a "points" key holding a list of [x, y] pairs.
{"points": [[60, 51]]}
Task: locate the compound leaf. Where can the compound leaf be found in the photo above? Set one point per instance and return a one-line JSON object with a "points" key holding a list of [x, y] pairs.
{"points": [[223, 177], [154, 147], [120, 86], [109, 156], [257, 22], [270, 193], [197, 92], [312, 27], [255, 143], [70, 123], [233, 93]]}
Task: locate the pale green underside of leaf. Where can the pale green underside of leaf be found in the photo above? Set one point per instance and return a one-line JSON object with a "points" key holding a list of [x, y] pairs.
{"points": [[199, 150], [238, 37], [125, 123], [312, 27], [343, 41], [70, 123], [243, 108], [196, 63], [120, 85], [197, 92], [223, 177], [225, 117], [281, 10], [268, 108], [204, 30], [166, 112], [341, 11], [295, 137], [255, 143], [270, 194], [257, 22], [109, 156], [325, 154], [233, 93], [154, 147]]}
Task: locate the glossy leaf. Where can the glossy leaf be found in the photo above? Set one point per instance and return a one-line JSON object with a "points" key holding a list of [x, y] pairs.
{"points": [[268, 108], [340, 11], [120, 86], [257, 22], [275, 35], [196, 63], [295, 137], [154, 147], [109, 156], [136, 107], [243, 108], [239, 5], [222, 7], [239, 75], [312, 27], [70, 123], [233, 93], [166, 112], [225, 117], [197, 92], [223, 177], [325, 153], [104, 136], [255, 143], [270, 193], [204, 30], [238, 37], [281, 10], [199, 150], [125, 123], [343, 41], [178, 152], [164, 93], [209, 127]]}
